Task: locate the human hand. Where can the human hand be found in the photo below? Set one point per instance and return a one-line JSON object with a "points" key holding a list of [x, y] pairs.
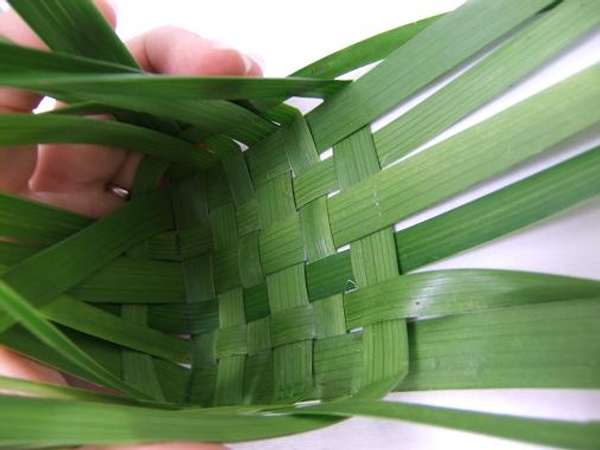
{"points": [[75, 177]]}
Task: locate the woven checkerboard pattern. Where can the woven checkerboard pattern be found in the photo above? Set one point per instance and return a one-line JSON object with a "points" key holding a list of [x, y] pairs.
{"points": [[269, 321]]}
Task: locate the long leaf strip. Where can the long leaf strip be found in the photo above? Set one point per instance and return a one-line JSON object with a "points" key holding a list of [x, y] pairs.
{"points": [[21, 129], [105, 423], [580, 435], [75, 423], [421, 60], [533, 199], [90, 320], [138, 368], [95, 322], [545, 345], [35, 223], [57, 23], [365, 52], [474, 155], [358, 55], [46, 19], [459, 291], [48, 390], [548, 36]]}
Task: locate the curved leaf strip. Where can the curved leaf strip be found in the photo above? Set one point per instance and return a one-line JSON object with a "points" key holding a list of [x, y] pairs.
{"points": [[29, 129], [545, 38], [58, 24], [577, 435], [508, 209], [459, 291], [364, 52], [48, 390], [25, 421], [478, 153], [435, 51], [21, 67]]}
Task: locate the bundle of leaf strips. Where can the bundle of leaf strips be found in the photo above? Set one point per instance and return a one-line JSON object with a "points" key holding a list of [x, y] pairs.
{"points": [[240, 251]]}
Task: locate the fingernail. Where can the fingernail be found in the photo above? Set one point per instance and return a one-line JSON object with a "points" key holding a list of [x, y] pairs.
{"points": [[114, 5], [248, 63], [257, 59]]}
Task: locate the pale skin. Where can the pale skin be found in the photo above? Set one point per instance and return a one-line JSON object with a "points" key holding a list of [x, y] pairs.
{"points": [[74, 177]]}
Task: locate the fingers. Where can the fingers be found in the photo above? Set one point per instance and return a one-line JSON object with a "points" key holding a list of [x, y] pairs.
{"points": [[16, 366], [175, 51], [16, 166], [74, 177], [125, 176], [70, 176]]}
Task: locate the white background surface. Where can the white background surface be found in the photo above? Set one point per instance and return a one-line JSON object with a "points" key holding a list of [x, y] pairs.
{"points": [[289, 35]]}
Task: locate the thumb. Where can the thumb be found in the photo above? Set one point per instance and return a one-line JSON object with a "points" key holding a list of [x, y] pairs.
{"points": [[16, 366]]}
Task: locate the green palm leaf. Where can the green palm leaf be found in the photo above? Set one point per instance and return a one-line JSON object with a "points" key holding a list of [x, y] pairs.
{"points": [[242, 250]]}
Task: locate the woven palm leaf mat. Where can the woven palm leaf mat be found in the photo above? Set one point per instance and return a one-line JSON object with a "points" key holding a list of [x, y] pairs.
{"points": [[265, 292]]}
